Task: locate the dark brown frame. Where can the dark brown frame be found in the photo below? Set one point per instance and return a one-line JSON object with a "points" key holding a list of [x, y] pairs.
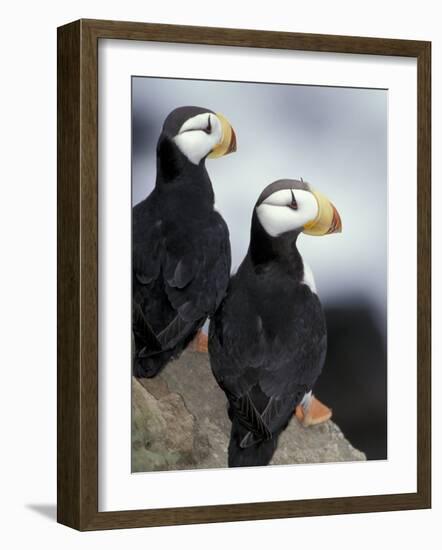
{"points": [[77, 461]]}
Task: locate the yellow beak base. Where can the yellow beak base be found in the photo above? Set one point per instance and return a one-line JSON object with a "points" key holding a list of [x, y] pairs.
{"points": [[328, 219], [228, 142]]}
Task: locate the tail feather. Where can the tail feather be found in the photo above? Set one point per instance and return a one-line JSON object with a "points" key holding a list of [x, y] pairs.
{"points": [[150, 366], [258, 454]]}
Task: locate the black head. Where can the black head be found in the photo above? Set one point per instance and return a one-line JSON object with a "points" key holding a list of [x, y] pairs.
{"points": [[189, 136], [280, 185], [175, 120], [292, 206], [284, 209], [196, 133]]}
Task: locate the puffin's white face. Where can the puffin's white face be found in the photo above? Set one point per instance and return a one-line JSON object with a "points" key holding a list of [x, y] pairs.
{"points": [[287, 210], [199, 135]]}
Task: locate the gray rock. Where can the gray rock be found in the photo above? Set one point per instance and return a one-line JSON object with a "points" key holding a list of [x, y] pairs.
{"points": [[180, 422]]}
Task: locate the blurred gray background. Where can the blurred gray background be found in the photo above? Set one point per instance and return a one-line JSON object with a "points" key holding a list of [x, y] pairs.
{"points": [[336, 139]]}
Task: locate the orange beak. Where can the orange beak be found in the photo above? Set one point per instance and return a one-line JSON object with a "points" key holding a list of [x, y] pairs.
{"points": [[228, 141], [328, 219]]}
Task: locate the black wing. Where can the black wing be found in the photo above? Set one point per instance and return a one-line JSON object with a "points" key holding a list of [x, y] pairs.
{"points": [[265, 370], [197, 268], [180, 275]]}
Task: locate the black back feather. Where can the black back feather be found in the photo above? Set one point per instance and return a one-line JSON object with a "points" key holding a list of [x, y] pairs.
{"points": [[181, 258], [267, 345]]}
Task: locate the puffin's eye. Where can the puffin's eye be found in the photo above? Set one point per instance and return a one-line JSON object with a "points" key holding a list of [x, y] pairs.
{"points": [[208, 128], [293, 205]]}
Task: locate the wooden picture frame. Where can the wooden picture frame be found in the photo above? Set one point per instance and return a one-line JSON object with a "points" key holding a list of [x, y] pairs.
{"points": [[77, 461]]}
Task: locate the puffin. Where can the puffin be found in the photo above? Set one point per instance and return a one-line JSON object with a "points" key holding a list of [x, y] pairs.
{"points": [[268, 339], [180, 244]]}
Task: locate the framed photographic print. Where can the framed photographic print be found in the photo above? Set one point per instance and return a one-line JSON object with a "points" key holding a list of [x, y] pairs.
{"points": [[243, 274]]}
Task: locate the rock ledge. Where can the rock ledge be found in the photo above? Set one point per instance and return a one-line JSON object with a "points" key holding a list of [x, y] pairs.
{"points": [[179, 422]]}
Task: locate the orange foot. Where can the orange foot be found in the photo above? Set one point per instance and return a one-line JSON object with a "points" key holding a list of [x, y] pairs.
{"points": [[199, 343], [316, 413]]}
